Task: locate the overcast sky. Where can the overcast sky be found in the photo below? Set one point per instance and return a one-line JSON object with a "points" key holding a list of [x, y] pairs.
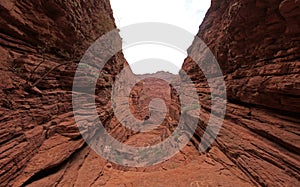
{"points": [[187, 14]]}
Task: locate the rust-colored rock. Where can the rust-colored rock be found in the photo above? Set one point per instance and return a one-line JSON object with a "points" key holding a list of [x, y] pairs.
{"points": [[41, 44], [256, 43], [257, 46]]}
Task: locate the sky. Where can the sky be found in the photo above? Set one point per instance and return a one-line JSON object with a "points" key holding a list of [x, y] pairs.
{"points": [[186, 14]]}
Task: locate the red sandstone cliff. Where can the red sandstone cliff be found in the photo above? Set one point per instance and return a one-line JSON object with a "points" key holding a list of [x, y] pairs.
{"points": [[44, 39], [256, 43]]}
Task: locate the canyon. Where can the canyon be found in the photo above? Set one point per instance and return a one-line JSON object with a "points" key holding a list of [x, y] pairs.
{"points": [[257, 46]]}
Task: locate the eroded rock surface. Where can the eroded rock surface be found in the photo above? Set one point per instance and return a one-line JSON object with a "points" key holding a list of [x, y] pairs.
{"points": [[257, 46], [41, 45]]}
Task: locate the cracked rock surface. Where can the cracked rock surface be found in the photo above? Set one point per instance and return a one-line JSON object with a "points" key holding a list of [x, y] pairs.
{"points": [[257, 45]]}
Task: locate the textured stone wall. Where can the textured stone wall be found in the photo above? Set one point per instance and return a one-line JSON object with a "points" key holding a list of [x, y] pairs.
{"points": [[45, 39], [257, 45]]}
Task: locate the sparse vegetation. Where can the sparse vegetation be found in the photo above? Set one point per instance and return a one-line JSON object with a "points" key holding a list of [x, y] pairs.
{"points": [[207, 98], [190, 107], [48, 72]]}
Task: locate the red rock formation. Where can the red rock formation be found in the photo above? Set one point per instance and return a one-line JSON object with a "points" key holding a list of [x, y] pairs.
{"points": [[41, 44], [257, 46]]}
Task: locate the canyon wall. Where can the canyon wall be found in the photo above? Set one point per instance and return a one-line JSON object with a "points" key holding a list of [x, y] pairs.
{"points": [[257, 45], [41, 43]]}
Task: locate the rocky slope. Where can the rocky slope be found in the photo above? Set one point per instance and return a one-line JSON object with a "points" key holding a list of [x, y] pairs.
{"points": [[257, 46], [41, 43]]}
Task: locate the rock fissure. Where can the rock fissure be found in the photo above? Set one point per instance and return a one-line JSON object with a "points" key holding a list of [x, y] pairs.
{"points": [[256, 44]]}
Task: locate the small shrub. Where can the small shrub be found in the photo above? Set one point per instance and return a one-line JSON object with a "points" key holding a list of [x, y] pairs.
{"points": [[190, 107]]}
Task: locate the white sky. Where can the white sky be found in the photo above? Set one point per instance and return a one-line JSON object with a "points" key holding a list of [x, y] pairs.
{"points": [[186, 14]]}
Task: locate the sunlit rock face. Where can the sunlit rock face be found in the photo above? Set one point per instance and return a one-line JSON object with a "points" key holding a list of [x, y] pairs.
{"points": [[257, 46]]}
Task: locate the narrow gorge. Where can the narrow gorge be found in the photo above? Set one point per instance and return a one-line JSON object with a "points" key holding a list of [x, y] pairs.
{"points": [[257, 46]]}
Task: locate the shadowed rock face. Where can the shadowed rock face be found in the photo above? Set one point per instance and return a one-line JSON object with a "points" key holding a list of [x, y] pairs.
{"points": [[256, 44]]}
